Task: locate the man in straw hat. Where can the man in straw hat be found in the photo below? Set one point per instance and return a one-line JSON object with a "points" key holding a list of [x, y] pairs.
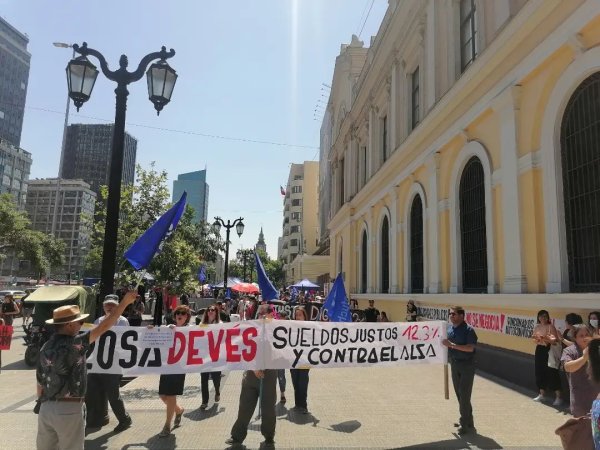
{"points": [[62, 376]]}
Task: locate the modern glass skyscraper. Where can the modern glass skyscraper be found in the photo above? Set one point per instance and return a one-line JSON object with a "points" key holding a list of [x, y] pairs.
{"points": [[194, 183], [88, 153], [14, 76]]}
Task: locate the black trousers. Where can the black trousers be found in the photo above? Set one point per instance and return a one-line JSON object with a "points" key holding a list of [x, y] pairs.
{"points": [[216, 378], [463, 374], [248, 398], [300, 382], [103, 389]]}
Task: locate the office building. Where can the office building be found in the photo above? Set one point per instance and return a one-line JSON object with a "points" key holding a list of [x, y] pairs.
{"points": [[15, 166], [194, 183], [71, 211], [300, 224], [88, 154], [14, 78]]}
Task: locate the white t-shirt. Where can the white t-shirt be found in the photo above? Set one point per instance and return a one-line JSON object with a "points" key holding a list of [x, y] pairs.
{"points": [[121, 321]]}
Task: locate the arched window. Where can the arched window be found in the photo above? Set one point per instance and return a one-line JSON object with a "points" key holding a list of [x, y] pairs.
{"points": [[416, 245], [472, 228], [385, 256], [363, 263], [580, 155]]}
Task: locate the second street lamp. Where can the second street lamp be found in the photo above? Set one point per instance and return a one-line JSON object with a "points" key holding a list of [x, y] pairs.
{"points": [[81, 77], [239, 228]]}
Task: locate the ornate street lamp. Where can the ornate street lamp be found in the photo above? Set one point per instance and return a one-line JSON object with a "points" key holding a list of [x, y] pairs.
{"points": [[81, 77], [239, 228]]}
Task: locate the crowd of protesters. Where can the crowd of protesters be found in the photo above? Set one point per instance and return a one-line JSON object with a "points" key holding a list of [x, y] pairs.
{"points": [[574, 352]]}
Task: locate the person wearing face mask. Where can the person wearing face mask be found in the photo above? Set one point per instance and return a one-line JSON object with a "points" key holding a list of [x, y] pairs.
{"points": [[593, 318]]}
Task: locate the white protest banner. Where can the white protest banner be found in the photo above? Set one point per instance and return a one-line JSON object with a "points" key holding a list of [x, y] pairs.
{"points": [[353, 344], [486, 321], [258, 344], [232, 346], [521, 326]]}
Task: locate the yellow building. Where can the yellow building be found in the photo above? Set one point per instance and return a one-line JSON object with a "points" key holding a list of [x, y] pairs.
{"points": [[465, 164]]}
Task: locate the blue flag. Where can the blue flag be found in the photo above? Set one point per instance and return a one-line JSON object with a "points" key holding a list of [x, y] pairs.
{"points": [[202, 274], [294, 294], [267, 289], [336, 303], [143, 250]]}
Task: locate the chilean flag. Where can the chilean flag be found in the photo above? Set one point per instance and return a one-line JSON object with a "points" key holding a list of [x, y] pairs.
{"points": [[282, 190]]}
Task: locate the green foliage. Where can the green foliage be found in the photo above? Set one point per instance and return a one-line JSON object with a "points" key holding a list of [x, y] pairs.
{"points": [[141, 205], [43, 251]]}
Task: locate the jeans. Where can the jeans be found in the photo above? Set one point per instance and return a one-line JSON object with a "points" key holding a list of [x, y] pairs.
{"points": [[463, 374], [300, 382]]}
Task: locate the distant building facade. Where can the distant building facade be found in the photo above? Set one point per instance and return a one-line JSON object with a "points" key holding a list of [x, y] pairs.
{"points": [[88, 154], [14, 78], [194, 183], [15, 166], [261, 245], [72, 210]]}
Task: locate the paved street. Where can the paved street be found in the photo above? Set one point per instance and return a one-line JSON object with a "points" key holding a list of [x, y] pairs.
{"points": [[351, 408]]}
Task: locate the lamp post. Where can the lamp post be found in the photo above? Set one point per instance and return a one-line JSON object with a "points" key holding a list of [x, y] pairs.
{"points": [[244, 256], [239, 228], [81, 77]]}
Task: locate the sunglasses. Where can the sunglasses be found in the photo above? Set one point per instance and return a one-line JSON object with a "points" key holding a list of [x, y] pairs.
{"points": [[181, 314]]}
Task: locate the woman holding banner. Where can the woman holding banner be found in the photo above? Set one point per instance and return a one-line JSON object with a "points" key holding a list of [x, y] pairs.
{"points": [[171, 385], [211, 316], [300, 376]]}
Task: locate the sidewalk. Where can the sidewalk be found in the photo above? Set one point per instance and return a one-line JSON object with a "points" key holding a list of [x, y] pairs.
{"points": [[351, 409]]}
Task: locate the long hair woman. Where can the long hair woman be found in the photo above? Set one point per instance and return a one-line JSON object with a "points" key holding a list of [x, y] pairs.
{"points": [[171, 385], [300, 376], [593, 354], [9, 309], [546, 378], [211, 316]]}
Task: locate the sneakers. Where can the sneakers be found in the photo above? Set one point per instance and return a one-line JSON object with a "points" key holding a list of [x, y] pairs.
{"points": [[539, 398], [122, 426], [203, 406], [557, 402]]}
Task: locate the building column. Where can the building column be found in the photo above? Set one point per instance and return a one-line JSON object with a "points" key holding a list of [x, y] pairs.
{"points": [[373, 154], [435, 285], [507, 107], [394, 289], [393, 114], [371, 253], [430, 53]]}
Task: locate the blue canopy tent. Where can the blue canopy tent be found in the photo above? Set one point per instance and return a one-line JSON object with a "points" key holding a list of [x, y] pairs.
{"points": [[304, 284]]}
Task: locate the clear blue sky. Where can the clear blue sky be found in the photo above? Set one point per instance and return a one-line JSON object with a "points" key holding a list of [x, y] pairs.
{"points": [[250, 70]]}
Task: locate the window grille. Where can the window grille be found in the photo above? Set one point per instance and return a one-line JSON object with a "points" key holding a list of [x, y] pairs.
{"points": [[416, 245], [580, 155], [472, 228]]}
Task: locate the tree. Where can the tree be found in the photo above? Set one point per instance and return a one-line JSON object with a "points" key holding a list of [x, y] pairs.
{"points": [[16, 235], [142, 204]]}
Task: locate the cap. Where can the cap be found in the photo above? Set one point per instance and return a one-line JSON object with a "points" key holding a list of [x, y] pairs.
{"points": [[111, 298]]}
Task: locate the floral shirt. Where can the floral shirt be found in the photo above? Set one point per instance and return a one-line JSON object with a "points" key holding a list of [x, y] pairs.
{"points": [[62, 370], [596, 423]]}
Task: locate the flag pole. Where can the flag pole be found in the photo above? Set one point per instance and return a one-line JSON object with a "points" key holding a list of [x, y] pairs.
{"points": [[139, 279]]}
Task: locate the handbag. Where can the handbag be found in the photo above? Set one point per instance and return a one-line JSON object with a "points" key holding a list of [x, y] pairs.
{"points": [[576, 433], [554, 356]]}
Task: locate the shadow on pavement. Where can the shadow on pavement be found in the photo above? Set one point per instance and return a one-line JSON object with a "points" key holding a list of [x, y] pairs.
{"points": [[154, 443], [203, 414], [350, 426], [281, 410], [17, 365], [460, 442]]}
